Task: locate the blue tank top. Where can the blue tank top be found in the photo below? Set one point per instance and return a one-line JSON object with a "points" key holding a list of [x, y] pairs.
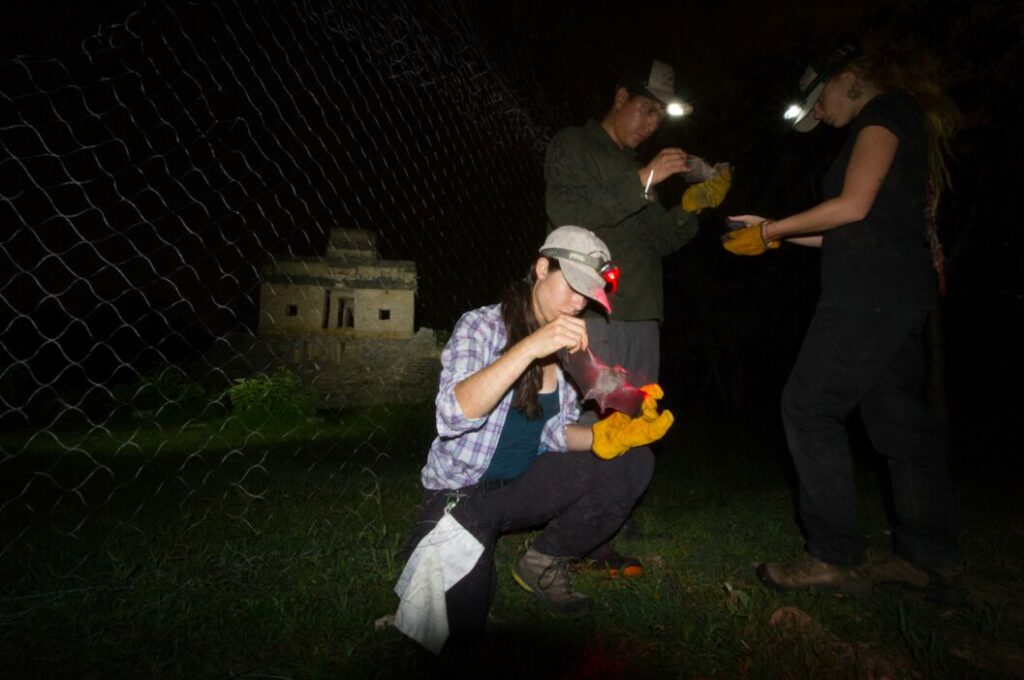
{"points": [[520, 440]]}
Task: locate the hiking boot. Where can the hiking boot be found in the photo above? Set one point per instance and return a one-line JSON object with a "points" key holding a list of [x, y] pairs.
{"points": [[548, 579], [610, 563], [809, 573], [940, 585]]}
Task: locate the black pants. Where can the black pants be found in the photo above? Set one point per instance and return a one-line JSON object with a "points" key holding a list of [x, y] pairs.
{"points": [[582, 500], [875, 360], [634, 345]]}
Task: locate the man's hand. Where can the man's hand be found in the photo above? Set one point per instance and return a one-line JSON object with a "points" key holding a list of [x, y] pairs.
{"points": [[668, 162], [619, 433], [709, 193]]}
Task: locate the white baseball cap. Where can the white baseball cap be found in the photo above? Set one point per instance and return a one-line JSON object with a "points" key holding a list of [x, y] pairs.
{"points": [[813, 82], [585, 261]]}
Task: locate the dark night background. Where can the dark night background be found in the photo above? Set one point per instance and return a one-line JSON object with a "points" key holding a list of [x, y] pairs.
{"points": [[443, 158]]}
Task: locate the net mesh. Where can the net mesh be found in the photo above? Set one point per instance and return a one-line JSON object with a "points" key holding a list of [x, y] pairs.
{"points": [[182, 164]]}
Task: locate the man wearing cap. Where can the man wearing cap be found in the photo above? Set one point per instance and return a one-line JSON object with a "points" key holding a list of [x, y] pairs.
{"points": [[594, 179], [510, 454]]}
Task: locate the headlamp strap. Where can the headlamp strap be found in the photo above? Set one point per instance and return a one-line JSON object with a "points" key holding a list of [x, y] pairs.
{"points": [[600, 265], [606, 269]]}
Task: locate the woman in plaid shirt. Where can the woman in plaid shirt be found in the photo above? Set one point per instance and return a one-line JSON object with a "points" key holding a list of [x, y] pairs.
{"points": [[510, 455]]}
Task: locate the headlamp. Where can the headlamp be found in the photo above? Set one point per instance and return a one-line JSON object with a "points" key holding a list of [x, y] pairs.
{"points": [[606, 269], [676, 109], [611, 275], [793, 111]]}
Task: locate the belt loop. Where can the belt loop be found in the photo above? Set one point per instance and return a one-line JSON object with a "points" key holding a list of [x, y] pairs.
{"points": [[492, 484]]}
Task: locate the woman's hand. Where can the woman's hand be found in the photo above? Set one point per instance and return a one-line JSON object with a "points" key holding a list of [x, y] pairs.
{"points": [[747, 219], [749, 240], [480, 392], [618, 433], [566, 332]]}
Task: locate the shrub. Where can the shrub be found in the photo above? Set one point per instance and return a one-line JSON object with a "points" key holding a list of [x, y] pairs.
{"points": [[441, 337], [280, 398], [167, 392]]}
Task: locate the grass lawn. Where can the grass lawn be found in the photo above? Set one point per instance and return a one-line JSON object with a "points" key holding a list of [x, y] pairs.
{"points": [[214, 550]]}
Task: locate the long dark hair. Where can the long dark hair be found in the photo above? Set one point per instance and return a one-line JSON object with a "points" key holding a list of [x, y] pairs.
{"points": [[520, 321]]}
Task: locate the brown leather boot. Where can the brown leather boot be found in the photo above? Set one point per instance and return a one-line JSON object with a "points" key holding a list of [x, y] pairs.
{"points": [[940, 585], [810, 573], [548, 579]]}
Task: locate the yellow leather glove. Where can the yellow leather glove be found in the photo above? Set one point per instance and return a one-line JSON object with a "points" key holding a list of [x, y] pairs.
{"points": [[709, 193], [618, 433], [748, 241]]}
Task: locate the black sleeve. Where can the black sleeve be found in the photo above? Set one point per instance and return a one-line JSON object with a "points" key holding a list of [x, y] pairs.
{"points": [[896, 111]]}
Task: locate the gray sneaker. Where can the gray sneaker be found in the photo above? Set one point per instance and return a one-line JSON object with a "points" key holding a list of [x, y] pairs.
{"points": [[548, 579]]}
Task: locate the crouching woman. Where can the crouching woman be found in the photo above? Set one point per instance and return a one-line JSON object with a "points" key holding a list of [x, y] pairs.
{"points": [[510, 455]]}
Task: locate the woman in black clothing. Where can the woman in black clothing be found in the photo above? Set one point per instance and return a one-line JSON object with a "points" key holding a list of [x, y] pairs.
{"points": [[864, 346]]}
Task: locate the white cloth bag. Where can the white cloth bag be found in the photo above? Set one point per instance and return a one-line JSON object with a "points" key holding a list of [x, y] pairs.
{"points": [[440, 560]]}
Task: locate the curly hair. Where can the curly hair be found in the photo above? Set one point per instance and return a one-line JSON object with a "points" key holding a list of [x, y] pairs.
{"points": [[916, 70]]}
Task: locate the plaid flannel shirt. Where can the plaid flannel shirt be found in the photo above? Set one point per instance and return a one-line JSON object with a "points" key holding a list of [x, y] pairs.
{"points": [[464, 446]]}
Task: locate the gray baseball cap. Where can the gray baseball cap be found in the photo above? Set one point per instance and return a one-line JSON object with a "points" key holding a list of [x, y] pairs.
{"points": [[583, 258], [656, 80]]}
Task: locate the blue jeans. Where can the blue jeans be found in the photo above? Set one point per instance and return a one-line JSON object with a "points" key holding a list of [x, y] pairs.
{"points": [[874, 360]]}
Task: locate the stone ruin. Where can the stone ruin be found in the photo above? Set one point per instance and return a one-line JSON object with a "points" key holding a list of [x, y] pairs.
{"points": [[344, 322]]}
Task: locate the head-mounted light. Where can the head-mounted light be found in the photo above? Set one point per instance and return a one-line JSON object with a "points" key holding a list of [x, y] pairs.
{"points": [[611, 274], [606, 269]]}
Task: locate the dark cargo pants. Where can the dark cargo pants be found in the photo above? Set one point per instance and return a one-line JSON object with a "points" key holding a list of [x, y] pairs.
{"points": [[875, 360]]}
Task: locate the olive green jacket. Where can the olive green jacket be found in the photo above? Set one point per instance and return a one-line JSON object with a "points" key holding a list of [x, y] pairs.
{"points": [[593, 183]]}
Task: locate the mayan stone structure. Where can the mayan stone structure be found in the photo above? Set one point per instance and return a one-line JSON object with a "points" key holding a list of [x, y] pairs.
{"points": [[343, 321]]}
